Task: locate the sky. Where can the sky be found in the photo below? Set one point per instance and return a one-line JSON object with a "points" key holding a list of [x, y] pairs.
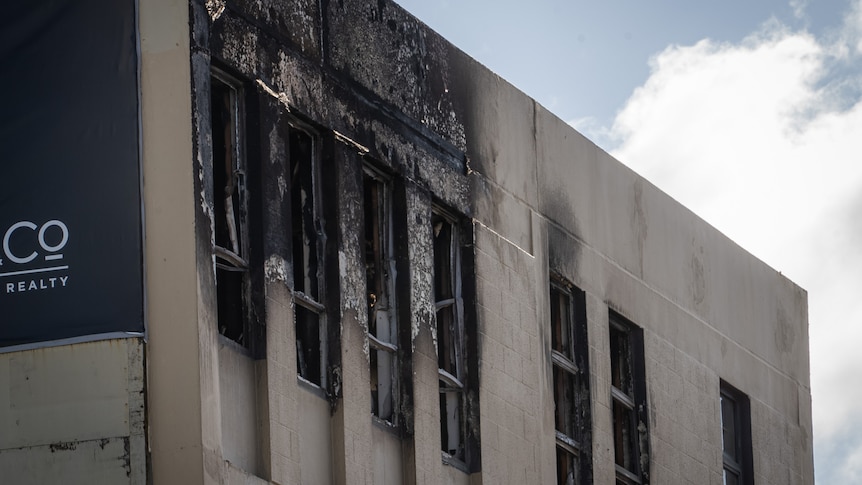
{"points": [[748, 113]]}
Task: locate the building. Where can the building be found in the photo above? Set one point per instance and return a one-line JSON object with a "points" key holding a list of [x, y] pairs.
{"points": [[368, 259]]}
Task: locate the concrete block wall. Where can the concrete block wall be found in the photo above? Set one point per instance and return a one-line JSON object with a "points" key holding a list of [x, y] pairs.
{"points": [[600, 390], [73, 414], [513, 390], [685, 414]]}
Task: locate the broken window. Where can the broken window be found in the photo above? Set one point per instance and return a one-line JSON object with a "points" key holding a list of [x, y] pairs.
{"points": [[571, 382], [458, 414], [628, 402], [736, 436], [230, 247], [307, 256], [380, 280]]}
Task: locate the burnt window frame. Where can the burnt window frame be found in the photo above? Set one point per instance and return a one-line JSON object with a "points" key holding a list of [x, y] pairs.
{"points": [[464, 382], [740, 465], [378, 185], [308, 290], [236, 319], [570, 372], [628, 400]]}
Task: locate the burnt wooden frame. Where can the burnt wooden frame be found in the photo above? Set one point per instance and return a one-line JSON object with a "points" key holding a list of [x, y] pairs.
{"points": [[628, 401], [458, 373], [570, 371], [736, 456]]}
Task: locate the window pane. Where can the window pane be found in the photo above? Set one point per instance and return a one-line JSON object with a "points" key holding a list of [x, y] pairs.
{"points": [[567, 468], [564, 411], [231, 271], [303, 217], [451, 422], [372, 205], [447, 340], [308, 350], [382, 368], [450, 337], [561, 332], [621, 370], [442, 258], [224, 151], [730, 478], [625, 437], [231, 311], [728, 427]]}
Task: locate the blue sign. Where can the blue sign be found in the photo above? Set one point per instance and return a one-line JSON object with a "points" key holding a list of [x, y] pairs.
{"points": [[70, 197]]}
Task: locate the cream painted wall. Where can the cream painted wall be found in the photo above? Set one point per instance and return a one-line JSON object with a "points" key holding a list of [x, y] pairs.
{"points": [[174, 360], [73, 414]]}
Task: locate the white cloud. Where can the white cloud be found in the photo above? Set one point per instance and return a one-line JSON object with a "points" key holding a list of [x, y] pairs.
{"points": [[763, 139], [592, 128], [799, 7], [853, 27]]}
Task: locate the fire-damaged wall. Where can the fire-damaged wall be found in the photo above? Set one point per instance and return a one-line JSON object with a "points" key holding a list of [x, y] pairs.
{"points": [[384, 264]]}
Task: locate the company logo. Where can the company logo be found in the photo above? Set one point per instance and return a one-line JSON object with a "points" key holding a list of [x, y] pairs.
{"points": [[40, 248]]}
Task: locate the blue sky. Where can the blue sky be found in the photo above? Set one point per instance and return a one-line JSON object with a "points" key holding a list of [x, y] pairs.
{"points": [[664, 85], [555, 50]]}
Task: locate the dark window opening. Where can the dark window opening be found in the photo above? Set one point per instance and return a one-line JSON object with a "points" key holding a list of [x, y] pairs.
{"points": [[308, 341], [303, 215], [307, 255], [628, 402], [380, 276], [568, 468], [570, 383], [456, 335], [736, 436], [232, 269], [450, 336]]}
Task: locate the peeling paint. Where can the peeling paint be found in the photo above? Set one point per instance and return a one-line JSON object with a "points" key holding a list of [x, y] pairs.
{"points": [[215, 8], [243, 49], [282, 185], [275, 269], [278, 95], [277, 147], [351, 302], [347, 141], [209, 213], [421, 253], [206, 208]]}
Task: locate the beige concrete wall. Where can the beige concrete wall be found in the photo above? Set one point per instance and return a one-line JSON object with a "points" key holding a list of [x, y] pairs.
{"points": [[73, 414], [174, 360], [388, 459], [315, 438], [710, 310], [517, 411], [238, 398]]}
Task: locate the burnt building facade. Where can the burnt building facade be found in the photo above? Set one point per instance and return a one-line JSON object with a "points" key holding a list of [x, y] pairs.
{"points": [[368, 259]]}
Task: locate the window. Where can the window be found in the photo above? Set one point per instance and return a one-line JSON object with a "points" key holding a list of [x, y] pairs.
{"points": [[459, 427], [450, 336], [571, 382], [628, 402], [736, 436], [380, 285], [307, 254], [230, 213]]}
